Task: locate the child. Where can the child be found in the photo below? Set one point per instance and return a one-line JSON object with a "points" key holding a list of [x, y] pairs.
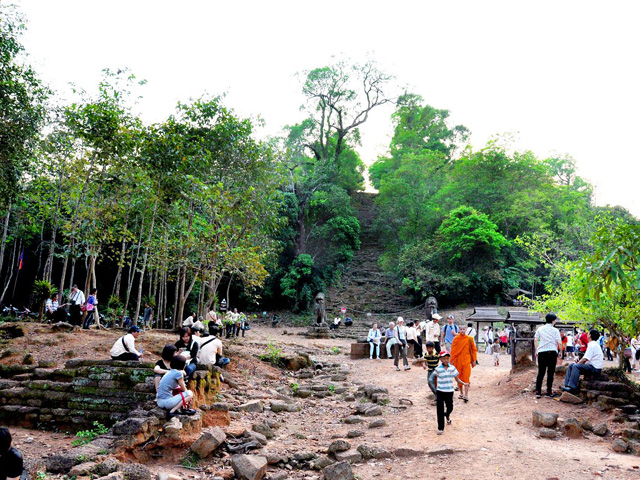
{"points": [[495, 349], [164, 364], [431, 362], [171, 380], [443, 379]]}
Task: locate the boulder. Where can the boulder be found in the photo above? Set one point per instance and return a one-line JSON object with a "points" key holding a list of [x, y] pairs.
{"points": [[135, 471], [619, 445], [278, 406], [253, 435], [322, 462], [351, 456], [209, 441], [254, 406], [407, 452], [338, 471], [380, 422], [352, 419], [367, 451], [304, 456], [542, 419], [339, 446], [296, 362], [571, 428], [547, 433], [355, 433], [221, 406], [600, 429], [634, 447], [264, 429], [567, 397], [249, 467], [586, 424], [83, 470], [373, 412]]}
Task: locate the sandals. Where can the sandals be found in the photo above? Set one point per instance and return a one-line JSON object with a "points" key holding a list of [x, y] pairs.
{"points": [[466, 400], [448, 421], [461, 397]]}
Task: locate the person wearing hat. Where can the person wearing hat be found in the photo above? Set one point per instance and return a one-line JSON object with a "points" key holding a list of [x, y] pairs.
{"points": [[449, 331], [443, 378], [400, 334], [125, 347], [432, 331]]}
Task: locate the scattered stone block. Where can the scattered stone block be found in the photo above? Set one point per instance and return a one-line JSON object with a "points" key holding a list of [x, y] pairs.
{"points": [[355, 433], [209, 441], [352, 419], [135, 471], [254, 406], [572, 428], [380, 422], [253, 435], [547, 433], [249, 467], [264, 429], [542, 419], [373, 412], [338, 471], [278, 406], [322, 462], [600, 429], [634, 447], [339, 446], [407, 453], [351, 456], [567, 397], [631, 433], [619, 445]]}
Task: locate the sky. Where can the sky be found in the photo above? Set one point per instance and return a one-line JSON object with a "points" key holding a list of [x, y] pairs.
{"points": [[562, 77]]}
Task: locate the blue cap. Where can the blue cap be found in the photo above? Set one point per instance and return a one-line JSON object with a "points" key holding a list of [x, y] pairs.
{"points": [[134, 329]]}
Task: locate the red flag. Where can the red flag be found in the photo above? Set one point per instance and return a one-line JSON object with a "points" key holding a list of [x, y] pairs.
{"points": [[20, 260]]}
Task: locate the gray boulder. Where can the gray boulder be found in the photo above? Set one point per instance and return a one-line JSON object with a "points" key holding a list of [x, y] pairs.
{"points": [[338, 471], [249, 467], [209, 441]]}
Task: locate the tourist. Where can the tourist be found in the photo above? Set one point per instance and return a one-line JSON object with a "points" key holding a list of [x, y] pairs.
{"points": [[170, 381], [163, 365], [563, 343], [125, 347], [570, 345], [11, 461], [449, 331], [431, 360], [464, 356], [471, 332], [188, 347], [581, 343], [591, 362], [189, 320], [608, 344], [504, 337], [211, 353], [443, 378], [147, 317], [336, 323], [374, 341], [76, 300], [90, 306], [413, 340], [51, 307], [198, 325], [390, 338], [547, 342], [432, 331], [495, 351], [348, 322], [400, 334], [635, 351]]}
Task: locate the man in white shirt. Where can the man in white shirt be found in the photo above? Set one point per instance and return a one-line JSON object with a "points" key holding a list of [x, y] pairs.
{"points": [[211, 352], [547, 342], [76, 300], [189, 320], [432, 331], [591, 362], [125, 347]]}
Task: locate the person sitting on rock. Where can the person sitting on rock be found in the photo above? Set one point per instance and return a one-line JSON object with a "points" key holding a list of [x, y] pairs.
{"points": [[188, 348], [348, 322], [591, 362], [171, 380], [390, 338], [164, 364], [125, 347], [336, 323], [211, 353], [11, 461]]}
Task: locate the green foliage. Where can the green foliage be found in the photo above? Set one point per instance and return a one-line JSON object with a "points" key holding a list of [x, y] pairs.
{"points": [[85, 436], [332, 389], [294, 386], [41, 475], [335, 350], [190, 460], [273, 355]]}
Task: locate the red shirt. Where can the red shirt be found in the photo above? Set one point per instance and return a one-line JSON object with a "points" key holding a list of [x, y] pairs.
{"points": [[584, 340]]}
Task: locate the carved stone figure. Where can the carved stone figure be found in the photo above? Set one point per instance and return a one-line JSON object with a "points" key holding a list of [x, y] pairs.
{"points": [[319, 310], [431, 307]]}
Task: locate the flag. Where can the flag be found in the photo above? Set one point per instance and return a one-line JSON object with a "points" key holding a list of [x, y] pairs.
{"points": [[20, 260]]}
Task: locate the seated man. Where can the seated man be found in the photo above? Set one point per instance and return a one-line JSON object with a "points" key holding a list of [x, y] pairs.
{"points": [[348, 322], [11, 462], [125, 347], [591, 362], [390, 339], [211, 353]]}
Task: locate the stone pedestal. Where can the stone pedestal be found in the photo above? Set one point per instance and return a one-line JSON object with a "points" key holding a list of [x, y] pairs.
{"points": [[319, 330]]}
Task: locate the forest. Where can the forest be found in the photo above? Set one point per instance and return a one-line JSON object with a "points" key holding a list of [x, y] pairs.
{"points": [[185, 212]]}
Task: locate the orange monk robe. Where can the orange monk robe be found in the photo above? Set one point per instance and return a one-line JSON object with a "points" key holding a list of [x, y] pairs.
{"points": [[463, 355]]}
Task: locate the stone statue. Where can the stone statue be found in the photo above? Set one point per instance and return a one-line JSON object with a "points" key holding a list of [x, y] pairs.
{"points": [[431, 307], [319, 310]]}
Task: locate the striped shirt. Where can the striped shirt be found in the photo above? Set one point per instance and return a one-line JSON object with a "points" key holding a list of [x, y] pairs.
{"points": [[548, 338], [445, 377], [432, 361]]}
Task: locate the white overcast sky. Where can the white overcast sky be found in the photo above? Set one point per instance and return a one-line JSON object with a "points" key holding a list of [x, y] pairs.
{"points": [[563, 75]]}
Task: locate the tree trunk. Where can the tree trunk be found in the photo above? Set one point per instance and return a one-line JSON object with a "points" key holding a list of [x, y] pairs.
{"points": [[228, 288], [73, 272], [5, 229], [175, 299], [12, 268], [62, 277], [144, 263]]}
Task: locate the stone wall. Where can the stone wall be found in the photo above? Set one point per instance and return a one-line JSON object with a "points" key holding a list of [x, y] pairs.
{"points": [[72, 398]]}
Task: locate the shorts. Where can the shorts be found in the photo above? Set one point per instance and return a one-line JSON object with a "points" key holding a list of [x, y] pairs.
{"points": [[570, 349], [170, 403]]}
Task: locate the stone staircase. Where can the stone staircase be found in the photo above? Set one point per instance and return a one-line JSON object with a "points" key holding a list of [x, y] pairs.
{"points": [[364, 287]]}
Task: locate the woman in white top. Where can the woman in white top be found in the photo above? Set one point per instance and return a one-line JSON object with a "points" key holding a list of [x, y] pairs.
{"points": [[412, 338], [373, 338]]}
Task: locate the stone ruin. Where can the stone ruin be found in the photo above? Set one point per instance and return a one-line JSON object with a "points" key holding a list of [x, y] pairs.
{"points": [[320, 328]]}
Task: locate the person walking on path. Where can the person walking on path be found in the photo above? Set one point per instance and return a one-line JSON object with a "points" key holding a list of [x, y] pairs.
{"points": [[443, 378], [449, 331], [431, 360], [548, 343], [400, 334], [464, 356], [591, 362], [432, 331]]}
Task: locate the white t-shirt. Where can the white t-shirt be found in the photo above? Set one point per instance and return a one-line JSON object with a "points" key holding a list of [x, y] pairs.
{"points": [[433, 332], [548, 338], [207, 355], [594, 355], [569, 340], [118, 349], [188, 321], [411, 333]]}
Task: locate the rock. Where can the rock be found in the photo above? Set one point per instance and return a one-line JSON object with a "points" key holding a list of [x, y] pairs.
{"points": [[629, 409], [567, 397], [349, 398], [83, 470], [547, 433], [249, 467], [278, 406], [304, 456], [634, 447], [380, 422], [135, 426], [351, 456], [109, 465], [541, 419], [254, 406], [339, 446], [255, 436], [572, 428], [586, 424], [600, 429], [113, 476], [352, 419], [135, 471], [221, 406], [297, 362], [619, 445], [303, 393], [366, 451], [407, 453], [338, 471], [264, 429], [279, 476], [373, 412], [356, 433], [210, 440], [322, 462], [62, 327], [274, 458], [631, 433]]}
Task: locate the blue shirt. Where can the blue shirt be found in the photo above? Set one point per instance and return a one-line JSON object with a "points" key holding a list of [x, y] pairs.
{"points": [[167, 384], [445, 377], [449, 331], [388, 333]]}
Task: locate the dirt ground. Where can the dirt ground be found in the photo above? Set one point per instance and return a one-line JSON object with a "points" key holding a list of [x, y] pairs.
{"points": [[491, 436]]}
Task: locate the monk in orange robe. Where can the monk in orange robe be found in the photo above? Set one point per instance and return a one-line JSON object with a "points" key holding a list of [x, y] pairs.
{"points": [[464, 356]]}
